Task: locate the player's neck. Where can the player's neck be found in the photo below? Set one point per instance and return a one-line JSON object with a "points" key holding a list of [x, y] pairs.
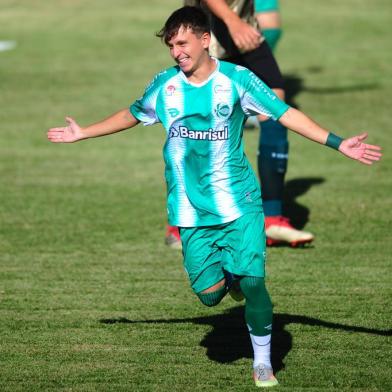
{"points": [[203, 72]]}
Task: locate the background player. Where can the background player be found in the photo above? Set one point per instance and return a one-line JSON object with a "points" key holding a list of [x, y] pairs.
{"points": [[213, 195]]}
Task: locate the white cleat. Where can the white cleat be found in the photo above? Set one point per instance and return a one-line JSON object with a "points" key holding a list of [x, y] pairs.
{"points": [[279, 231], [264, 376]]}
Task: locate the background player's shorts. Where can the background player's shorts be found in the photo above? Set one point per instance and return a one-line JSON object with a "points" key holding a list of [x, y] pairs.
{"points": [[237, 246], [266, 5], [262, 63]]}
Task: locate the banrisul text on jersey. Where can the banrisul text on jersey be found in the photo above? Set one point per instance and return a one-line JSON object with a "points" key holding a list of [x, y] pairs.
{"points": [[209, 134]]}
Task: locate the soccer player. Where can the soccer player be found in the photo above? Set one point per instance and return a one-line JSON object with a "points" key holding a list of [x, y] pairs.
{"points": [[236, 38], [213, 195]]}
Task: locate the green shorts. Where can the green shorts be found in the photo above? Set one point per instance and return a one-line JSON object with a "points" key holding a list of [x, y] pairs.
{"points": [[237, 247], [266, 5]]}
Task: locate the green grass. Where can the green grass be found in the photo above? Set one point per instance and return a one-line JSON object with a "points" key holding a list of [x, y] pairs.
{"points": [[90, 297]]}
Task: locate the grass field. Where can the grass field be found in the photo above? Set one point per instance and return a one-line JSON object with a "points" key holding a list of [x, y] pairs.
{"points": [[90, 297]]}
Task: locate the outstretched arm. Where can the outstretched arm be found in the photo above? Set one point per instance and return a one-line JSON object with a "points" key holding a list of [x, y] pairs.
{"points": [[353, 147], [73, 132]]}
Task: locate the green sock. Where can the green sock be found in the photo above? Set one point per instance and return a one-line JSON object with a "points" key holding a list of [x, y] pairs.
{"points": [[272, 37], [258, 306]]}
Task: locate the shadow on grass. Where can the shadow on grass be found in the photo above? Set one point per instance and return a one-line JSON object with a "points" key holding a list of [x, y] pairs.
{"points": [[229, 340], [298, 214], [293, 85]]}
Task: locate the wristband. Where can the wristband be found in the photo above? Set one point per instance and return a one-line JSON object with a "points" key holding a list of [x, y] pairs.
{"points": [[333, 141]]}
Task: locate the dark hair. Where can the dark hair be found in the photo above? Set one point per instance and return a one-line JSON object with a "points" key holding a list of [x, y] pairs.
{"points": [[188, 17]]}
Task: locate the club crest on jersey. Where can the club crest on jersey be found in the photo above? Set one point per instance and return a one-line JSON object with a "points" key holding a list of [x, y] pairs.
{"points": [[170, 90], [222, 110]]}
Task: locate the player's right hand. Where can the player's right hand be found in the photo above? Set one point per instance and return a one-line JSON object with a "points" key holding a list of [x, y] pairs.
{"points": [[68, 134]]}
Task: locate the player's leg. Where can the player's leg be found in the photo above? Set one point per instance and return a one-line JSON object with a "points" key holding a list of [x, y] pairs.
{"points": [[273, 152], [243, 255], [258, 317], [202, 262], [212, 295], [268, 16], [172, 237]]}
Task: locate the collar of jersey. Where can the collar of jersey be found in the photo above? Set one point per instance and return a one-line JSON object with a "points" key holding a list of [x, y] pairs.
{"points": [[207, 80]]}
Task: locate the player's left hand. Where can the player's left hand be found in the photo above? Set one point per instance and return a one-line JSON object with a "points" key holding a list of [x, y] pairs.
{"points": [[354, 148]]}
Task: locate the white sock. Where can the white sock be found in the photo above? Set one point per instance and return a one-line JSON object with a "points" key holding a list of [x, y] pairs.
{"points": [[261, 350]]}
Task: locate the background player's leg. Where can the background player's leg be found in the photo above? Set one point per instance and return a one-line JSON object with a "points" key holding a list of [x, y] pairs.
{"points": [[272, 162], [268, 17], [172, 237], [272, 152], [272, 166], [272, 37]]}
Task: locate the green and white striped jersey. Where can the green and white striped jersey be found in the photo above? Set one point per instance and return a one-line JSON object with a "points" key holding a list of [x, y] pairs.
{"points": [[209, 179]]}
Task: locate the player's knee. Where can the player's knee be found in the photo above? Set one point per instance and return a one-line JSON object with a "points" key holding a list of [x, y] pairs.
{"points": [[213, 295], [255, 292]]}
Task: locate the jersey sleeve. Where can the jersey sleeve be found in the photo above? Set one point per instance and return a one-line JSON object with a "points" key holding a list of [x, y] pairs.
{"points": [[144, 108], [256, 97]]}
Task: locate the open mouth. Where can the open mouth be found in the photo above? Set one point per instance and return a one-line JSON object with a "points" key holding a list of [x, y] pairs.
{"points": [[183, 61]]}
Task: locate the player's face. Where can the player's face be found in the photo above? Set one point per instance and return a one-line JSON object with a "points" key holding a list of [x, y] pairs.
{"points": [[188, 49]]}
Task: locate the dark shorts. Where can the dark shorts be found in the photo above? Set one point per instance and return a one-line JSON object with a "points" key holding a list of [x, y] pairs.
{"points": [[262, 63]]}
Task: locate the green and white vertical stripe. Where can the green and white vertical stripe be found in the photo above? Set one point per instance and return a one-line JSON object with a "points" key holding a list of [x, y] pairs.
{"points": [[209, 179]]}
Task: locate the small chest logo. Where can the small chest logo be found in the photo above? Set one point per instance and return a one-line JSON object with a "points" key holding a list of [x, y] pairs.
{"points": [[170, 90], [222, 110], [219, 89]]}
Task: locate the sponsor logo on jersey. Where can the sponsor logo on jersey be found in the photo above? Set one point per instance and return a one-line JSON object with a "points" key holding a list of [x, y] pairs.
{"points": [[173, 132], [222, 110], [209, 134], [221, 89], [258, 85], [170, 90], [173, 112], [239, 68]]}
